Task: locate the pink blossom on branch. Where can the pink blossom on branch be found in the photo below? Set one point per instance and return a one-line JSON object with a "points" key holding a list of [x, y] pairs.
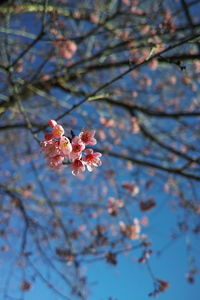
{"points": [[87, 136], [48, 136], [132, 231], [77, 167], [77, 148], [50, 148], [58, 148], [58, 131], [55, 162], [91, 159], [65, 145], [66, 48], [52, 123]]}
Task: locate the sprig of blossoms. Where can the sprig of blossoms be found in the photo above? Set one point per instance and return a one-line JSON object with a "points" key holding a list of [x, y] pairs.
{"points": [[59, 149]]}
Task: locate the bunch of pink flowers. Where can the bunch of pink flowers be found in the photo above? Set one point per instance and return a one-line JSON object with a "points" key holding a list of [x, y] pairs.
{"points": [[66, 48], [57, 148]]}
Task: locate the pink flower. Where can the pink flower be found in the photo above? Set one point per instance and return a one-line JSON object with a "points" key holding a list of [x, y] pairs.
{"points": [[77, 148], [77, 167], [50, 148], [72, 47], [91, 159], [132, 231], [52, 123], [64, 52], [87, 136], [55, 162], [48, 136], [65, 145], [66, 49], [58, 131], [57, 147]]}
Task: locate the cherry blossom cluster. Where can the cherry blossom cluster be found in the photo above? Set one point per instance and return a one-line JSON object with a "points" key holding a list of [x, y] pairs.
{"points": [[66, 48], [57, 148], [132, 231]]}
